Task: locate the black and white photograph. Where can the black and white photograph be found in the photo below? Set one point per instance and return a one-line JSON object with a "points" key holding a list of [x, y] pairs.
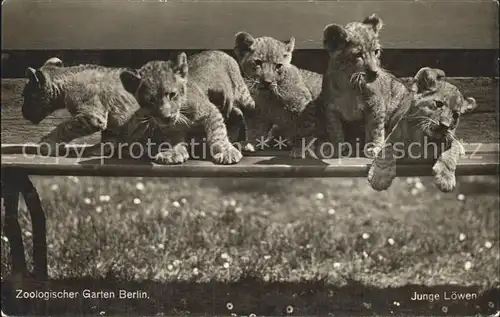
{"points": [[250, 158]]}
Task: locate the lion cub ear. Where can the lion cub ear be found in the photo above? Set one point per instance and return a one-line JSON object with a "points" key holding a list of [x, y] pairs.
{"points": [[243, 44], [426, 79], [130, 80], [290, 44], [31, 74], [37, 76], [54, 61], [182, 65], [375, 22], [468, 105], [334, 37]]}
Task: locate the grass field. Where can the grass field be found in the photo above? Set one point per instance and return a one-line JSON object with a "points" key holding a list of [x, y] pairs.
{"points": [[269, 246]]}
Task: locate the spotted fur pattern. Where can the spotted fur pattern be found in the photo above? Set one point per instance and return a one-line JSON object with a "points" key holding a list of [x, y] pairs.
{"points": [[424, 128], [92, 94], [175, 103], [354, 62], [284, 94]]}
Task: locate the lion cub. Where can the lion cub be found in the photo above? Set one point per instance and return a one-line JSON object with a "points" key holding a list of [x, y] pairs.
{"points": [[284, 94], [427, 117], [174, 104], [354, 61], [92, 94]]}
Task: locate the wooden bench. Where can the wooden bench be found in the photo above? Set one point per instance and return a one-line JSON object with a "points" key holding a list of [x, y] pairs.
{"points": [[459, 37]]}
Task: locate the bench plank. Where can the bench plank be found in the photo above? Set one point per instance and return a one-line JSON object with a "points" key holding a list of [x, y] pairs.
{"points": [[424, 24], [477, 161], [480, 126]]}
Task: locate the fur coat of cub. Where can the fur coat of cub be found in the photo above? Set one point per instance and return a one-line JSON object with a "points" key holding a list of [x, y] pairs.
{"points": [[424, 128], [284, 94], [354, 60], [93, 95], [180, 97]]}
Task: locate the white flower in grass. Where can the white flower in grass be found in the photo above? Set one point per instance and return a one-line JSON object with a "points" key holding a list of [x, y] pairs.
{"points": [[245, 258], [176, 204], [196, 271], [331, 211], [87, 201], [419, 185], [267, 257], [140, 186], [491, 304], [183, 201], [461, 197], [98, 209], [488, 245], [468, 265], [365, 235], [320, 196], [337, 265], [461, 237], [104, 198], [137, 201], [289, 309], [170, 267], [226, 265], [391, 241], [444, 309], [229, 306], [232, 203], [396, 303], [160, 246]]}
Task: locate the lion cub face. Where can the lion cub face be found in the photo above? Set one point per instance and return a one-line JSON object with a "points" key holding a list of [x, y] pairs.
{"points": [[439, 104], [160, 87], [263, 59], [355, 49]]}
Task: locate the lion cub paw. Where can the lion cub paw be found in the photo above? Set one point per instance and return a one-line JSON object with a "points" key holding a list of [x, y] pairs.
{"points": [[226, 154], [443, 177], [380, 176], [248, 147], [176, 155]]}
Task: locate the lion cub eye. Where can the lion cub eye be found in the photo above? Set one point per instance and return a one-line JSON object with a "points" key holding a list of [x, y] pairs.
{"points": [[377, 52], [171, 95], [258, 62], [439, 103]]}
